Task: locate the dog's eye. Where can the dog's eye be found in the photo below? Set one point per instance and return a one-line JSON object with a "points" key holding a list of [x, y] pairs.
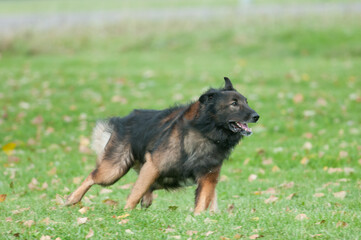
{"points": [[235, 103]]}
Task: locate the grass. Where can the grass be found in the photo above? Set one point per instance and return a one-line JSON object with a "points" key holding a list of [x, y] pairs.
{"points": [[301, 75], [41, 6]]}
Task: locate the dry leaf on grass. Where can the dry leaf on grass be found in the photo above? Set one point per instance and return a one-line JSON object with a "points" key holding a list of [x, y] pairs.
{"points": [[321, 222], [301, 217], [8, 149], [129, 231], [110, 202], [191, 232], [169, 229], [123, 221], [340, 195], [45, 238], [82, 220], [123, 216], [83, 210], [341, 224], [287, 185], [126, 186], [105, 191], [29, 223], [252, 177], [2, 197], [17, 211], [255, 236], [271, 199], [318, 195], [90, 234], [208, 233], [289, 197]]}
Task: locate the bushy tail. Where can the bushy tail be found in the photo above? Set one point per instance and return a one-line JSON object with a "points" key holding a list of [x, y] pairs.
{"points": [[101, 135]]}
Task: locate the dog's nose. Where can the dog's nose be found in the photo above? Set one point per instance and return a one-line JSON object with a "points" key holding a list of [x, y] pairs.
{"points": [[255, 117]]}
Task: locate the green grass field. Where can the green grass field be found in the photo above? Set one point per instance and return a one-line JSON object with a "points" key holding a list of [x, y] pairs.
{"points": [[53, 6], [296, 177]]}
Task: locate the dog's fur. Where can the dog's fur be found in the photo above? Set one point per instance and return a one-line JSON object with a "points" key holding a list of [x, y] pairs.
{"points": [[171, 148]]}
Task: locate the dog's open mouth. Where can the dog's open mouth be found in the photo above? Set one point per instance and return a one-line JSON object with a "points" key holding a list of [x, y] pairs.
{"points": [[239, 127]]}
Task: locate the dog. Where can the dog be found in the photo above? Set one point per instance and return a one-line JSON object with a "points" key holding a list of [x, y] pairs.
{"points": [[171, 148]]}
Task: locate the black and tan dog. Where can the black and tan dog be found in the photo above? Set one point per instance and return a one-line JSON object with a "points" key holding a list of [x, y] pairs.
{"points": [[171, 148]]}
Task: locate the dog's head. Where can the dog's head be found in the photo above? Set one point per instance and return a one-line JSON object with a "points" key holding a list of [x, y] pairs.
{"points": [[229, 109]]}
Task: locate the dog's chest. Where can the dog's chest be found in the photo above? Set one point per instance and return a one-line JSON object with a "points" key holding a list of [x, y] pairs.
{"points": [[197, 146]]}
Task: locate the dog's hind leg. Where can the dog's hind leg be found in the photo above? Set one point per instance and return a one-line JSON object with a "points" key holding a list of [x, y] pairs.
{"points": [[105, 174], [147, 176], [206, 190]]}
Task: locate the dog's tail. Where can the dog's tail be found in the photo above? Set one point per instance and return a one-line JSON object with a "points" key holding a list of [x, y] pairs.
{"points": [[100, 138]]}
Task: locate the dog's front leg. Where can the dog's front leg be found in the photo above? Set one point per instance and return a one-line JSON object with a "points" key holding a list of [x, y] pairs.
{"points": [[206, 191], [147, 176]]}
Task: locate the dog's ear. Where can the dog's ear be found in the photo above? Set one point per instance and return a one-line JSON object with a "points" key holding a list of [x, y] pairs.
{"points": [[206, 98], [228, 85]]}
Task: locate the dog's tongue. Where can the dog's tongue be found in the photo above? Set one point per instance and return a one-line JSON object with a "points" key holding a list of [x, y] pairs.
{"points": [[245, 128]]}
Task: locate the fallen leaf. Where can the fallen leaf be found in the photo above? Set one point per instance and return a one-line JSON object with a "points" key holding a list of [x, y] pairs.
{"points": [[334, 170], [52, 171], [341, 224], [59, 200], [169, 229], [287, 185], [316, 235], [123, 221], [267, 161], [343, 154], [289, 197], [304, 161], [252, 177], [237, 236], [176, 237], [110, 202], [83, 210], [340, 195], [308, 135], [90, 234], [8, 219], [230, 208], [77, 180], [105, 191], [223, 178], [307, 146], [191, 232], [37, 120], [44, 186], [2, 197], [8, 149], [20, 210], [318, 195], [129, 231], [46, 221], [29, 223], [45, 238], [301, 217], [208, 233], [255, 236], [348, 170], [321, 222], [275, 168], [123, 216], [298, 98], [126, 186], [271, 199], [33, 184], [82, 220]]}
